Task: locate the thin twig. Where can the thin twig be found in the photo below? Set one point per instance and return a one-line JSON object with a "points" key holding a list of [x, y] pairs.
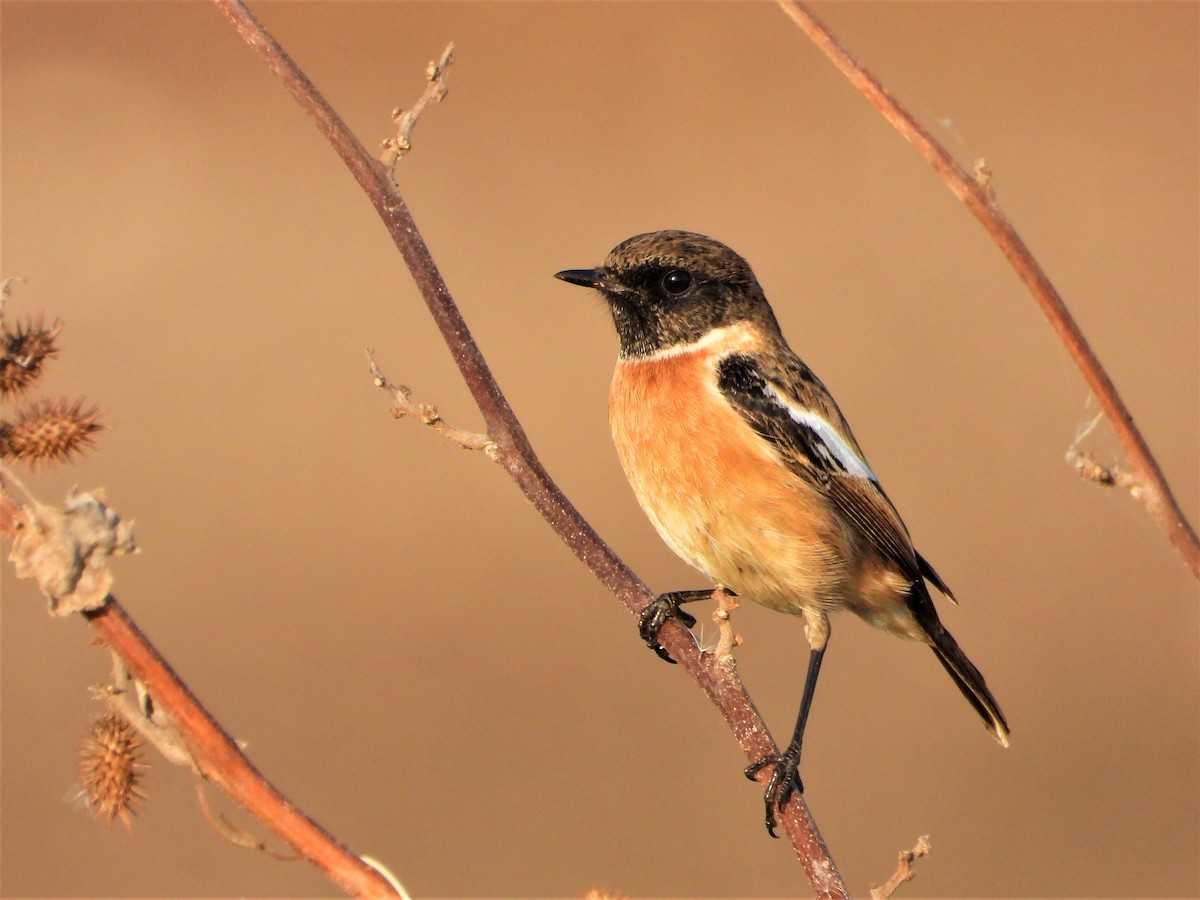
{"points": [[727, 602], [904, 870], [129, 697], [427, 413], [977, 194], [239, 837], [435, 90], [517, 456]]}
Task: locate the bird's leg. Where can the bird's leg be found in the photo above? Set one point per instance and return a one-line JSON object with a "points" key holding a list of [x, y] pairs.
{"points": [[786, 778], [664, 607]]}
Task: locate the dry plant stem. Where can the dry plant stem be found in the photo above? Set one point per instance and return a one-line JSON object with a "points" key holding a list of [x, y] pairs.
{"points": [[224, 764], [435, 90], [1151, 487], [428, 414], [239, 837], [516, 455], [904, 870]]}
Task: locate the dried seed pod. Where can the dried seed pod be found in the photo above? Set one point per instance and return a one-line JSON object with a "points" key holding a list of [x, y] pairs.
{"points": [[49, 431], [110, 769], [23, 349]]}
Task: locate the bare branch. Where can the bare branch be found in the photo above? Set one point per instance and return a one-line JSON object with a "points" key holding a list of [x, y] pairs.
{"points": [[427, 413], [517, 456], [435, 90], [976, 193], [904, 871]]}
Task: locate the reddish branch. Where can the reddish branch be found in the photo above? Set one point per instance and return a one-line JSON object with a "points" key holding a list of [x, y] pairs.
{"points": [[220, 761], [515, 453], [1149, 485]]}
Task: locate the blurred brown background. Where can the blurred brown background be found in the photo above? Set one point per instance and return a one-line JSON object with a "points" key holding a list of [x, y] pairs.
{"points": [[407, 650]]}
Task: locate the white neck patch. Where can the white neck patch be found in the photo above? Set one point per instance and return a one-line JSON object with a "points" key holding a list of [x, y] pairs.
{"points": [[735, 338]]}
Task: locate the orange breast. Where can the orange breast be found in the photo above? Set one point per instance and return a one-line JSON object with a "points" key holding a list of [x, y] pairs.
{"points": [[716, 492]]}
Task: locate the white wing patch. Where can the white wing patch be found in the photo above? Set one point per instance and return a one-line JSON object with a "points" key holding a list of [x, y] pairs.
{"points": [[836, 448]]}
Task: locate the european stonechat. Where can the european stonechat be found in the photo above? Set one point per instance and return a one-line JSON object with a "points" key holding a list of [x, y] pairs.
{"points": [[747, 468]]}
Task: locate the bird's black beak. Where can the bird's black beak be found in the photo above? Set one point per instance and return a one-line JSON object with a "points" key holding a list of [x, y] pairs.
{"points": [[593, 278]]}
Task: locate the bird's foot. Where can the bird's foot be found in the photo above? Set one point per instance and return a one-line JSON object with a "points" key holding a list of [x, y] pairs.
{"points": [[662, 608], [785, 781]]}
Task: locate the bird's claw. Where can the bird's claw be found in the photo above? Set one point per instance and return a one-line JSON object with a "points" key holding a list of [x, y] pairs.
{"points": [[785, 781], [655, 616]]}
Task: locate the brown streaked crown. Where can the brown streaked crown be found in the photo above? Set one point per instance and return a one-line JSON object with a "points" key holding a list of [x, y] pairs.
{"points": [[670, 288]]}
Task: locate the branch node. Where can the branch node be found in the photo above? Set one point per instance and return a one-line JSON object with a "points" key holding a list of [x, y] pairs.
{"points": [[429, 414], [145, 715], [982, 173], [1105, 476]]}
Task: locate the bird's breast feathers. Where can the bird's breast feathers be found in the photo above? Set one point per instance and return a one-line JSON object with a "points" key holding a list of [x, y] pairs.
{"points": [[725, 496]]}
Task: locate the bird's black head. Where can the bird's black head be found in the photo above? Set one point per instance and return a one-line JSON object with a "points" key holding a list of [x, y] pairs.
{"points": [[670, 288]]}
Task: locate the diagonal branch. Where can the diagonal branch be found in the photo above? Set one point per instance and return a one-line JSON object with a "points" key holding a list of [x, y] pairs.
{"points": [[220, 760], [515, 453], [1150, 485]]}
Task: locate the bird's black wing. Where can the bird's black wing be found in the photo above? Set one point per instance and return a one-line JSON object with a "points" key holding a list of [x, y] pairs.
{"points": [[786, 405]]}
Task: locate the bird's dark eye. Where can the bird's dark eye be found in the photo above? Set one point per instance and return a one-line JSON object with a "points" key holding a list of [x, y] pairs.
{"points": [[676, 281]]}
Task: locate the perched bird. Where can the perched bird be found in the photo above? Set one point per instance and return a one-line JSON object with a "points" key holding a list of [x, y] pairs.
{"points": [[748, 470]]}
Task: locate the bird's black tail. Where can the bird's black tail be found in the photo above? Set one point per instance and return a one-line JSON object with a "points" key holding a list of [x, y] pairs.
{"points": [[971, 683], [961, 669]]}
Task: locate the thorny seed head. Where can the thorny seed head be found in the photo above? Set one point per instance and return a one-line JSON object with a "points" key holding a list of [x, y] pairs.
{"points": [[49, 431], [23, 349], [110, 769]]}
